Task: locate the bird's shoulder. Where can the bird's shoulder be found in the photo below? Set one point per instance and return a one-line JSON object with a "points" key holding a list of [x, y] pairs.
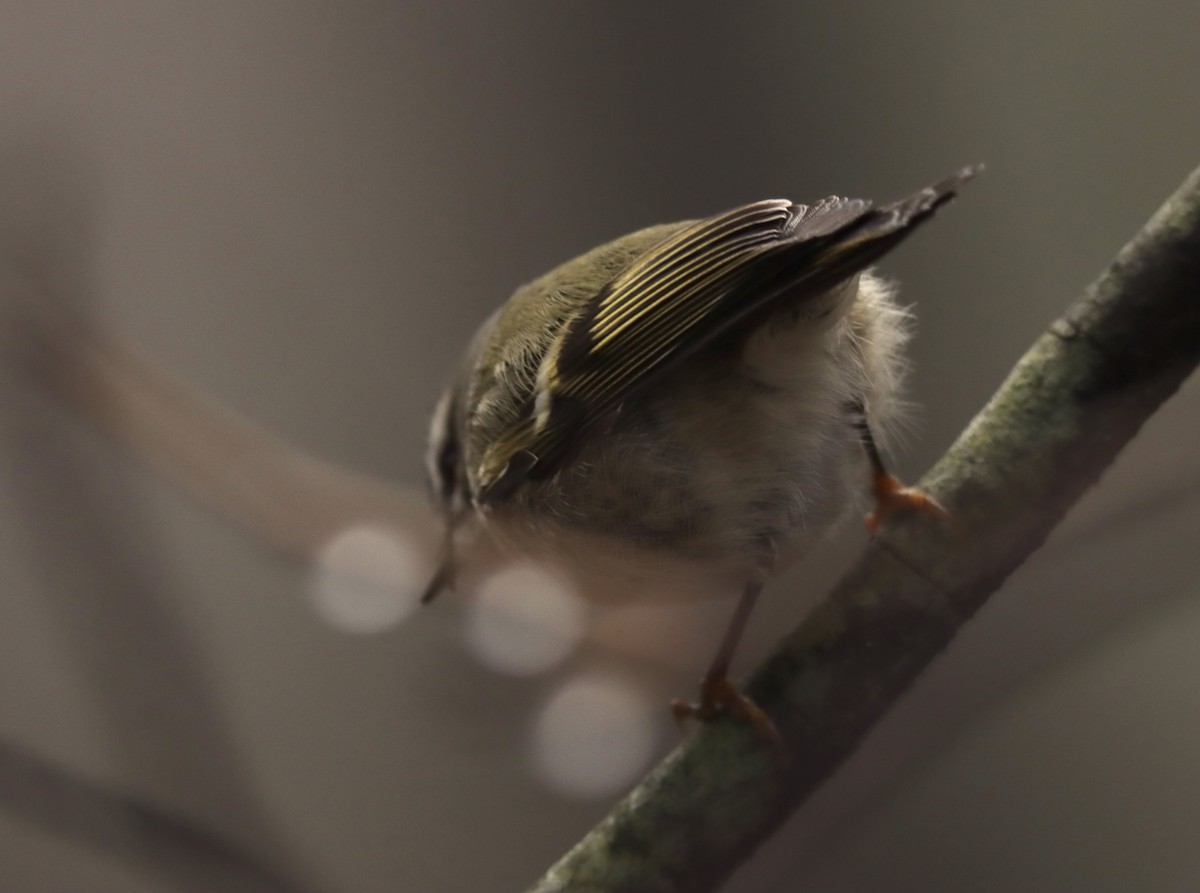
{"points": [[512, 344]]}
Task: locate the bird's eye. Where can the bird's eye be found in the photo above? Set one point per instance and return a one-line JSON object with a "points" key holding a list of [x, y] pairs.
{"points": [[443, 457], [447, 468]]}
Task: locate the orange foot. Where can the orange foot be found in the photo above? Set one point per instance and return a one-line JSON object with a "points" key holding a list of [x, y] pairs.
{"points": [[719, 696], [892, 496]]}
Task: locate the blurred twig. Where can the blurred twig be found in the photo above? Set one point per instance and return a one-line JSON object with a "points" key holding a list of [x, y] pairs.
{"points": [[145, 835], [1067, 409], [288, 499], [98, 581]]}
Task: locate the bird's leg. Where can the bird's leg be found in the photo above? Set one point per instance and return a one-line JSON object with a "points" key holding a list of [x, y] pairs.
{"points": [[891, 495], [717, 693]]}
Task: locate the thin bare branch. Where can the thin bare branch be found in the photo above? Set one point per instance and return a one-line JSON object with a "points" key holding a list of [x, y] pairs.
{"points": [[154, 839], [286, 498]]}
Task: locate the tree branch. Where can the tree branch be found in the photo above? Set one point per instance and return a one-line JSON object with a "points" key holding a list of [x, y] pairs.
{"points": [[1066, 410]]}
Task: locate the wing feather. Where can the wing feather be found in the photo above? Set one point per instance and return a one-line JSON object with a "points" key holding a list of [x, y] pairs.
{"points": [[679, 296]]}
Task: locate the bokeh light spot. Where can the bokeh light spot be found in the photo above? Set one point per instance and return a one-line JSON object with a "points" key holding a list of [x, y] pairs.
{"points": [[525, 619], [594, 737], [366, 579]]}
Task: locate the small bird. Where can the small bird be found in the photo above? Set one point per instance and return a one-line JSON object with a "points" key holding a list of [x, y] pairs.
{"points": [[694, 404]]}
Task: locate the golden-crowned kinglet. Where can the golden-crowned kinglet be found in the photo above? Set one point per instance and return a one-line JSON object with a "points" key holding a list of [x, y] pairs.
{"points": [[693, 403]]}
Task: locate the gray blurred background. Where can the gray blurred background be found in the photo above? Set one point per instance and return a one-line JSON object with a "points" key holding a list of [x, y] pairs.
{"points": [[305, 208]]}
